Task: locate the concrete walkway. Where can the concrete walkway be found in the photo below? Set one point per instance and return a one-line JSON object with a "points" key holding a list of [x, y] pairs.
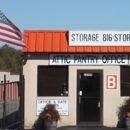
{"points": [[39, 124], [89, 128], [84, 128]]}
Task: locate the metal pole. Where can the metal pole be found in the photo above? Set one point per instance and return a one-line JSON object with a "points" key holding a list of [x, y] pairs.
{"points": [[4, 104], [21, 102]]}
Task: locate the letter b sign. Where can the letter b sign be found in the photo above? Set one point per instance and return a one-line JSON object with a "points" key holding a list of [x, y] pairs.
{"points": [[111, 81]]}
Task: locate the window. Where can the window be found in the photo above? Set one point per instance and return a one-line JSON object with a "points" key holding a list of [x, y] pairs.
{"points": [[52, 81], [125, 80]]}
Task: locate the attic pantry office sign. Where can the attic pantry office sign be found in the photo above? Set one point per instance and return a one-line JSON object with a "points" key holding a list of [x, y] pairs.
{"points": [[99, 38], [88, 59]]}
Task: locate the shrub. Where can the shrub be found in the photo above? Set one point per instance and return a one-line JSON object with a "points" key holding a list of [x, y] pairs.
{"points": [[50, 113], [127, 106]]}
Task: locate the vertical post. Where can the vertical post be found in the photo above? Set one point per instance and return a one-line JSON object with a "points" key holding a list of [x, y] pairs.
{"points": [[21, 102], [4, 104]]}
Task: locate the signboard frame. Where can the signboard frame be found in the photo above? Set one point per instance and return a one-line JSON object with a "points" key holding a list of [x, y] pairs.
{"points": [[61, 106], [88, 59], [99, 38]]}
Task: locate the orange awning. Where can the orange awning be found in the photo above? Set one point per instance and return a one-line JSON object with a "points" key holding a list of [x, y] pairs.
{"points": [[57, 41]]}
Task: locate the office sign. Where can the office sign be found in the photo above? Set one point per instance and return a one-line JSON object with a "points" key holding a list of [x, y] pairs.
{"points": [[88, 59], [61, 106], [99, 38]]}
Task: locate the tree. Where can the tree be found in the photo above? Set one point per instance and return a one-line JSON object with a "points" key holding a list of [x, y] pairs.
{"points": [[11, 59]]}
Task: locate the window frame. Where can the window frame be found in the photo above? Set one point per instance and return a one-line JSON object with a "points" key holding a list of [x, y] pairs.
{"points": [[58, 76]]}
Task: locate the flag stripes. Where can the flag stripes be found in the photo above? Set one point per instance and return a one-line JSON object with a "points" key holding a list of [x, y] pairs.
{"points": [[16, 43], [9, 32], [8, 36], [8, 29]]}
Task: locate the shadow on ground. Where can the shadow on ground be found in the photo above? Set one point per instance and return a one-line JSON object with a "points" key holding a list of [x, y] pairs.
{"points": [[83, 128], [89, 128]]}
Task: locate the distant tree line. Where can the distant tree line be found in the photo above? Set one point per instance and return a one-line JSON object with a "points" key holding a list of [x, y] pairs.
{"points": [[11, 59]]}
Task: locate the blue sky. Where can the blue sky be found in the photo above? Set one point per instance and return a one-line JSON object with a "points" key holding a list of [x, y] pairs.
{"points": [[67, 14]]}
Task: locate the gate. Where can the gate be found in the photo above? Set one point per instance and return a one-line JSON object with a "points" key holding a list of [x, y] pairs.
{"points": [[12, 104]]}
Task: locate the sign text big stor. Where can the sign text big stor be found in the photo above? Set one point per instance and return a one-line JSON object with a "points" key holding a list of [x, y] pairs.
{"points": [[99, 38]]}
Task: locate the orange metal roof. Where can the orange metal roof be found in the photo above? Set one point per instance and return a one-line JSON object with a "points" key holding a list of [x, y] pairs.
{"points": [[57, 41]]}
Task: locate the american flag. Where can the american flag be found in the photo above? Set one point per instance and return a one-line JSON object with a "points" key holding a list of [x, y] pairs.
{"points": [[9, 32]]}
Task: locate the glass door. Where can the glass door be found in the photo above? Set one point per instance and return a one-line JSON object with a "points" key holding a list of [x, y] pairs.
{"points": [[89, 97]]}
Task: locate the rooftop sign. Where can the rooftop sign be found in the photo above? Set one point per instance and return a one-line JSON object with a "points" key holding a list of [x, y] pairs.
{"points": [[99, 38]]}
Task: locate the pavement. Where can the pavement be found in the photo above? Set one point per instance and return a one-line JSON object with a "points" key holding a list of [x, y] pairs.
{"points": [[38, 124], [89, 128], [84, 128]]}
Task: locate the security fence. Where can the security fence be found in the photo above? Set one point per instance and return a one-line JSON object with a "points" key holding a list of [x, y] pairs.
{"points": [[12, 104]]}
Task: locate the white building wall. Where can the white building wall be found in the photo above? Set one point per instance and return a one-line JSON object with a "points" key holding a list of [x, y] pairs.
{"points": [[9, 77], [111, 98]]}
